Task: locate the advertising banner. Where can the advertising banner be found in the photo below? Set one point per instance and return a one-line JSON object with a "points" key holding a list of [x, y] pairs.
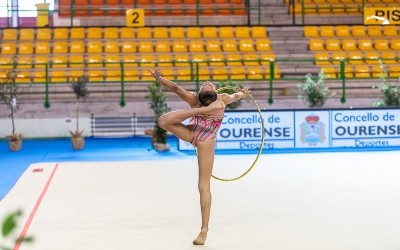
{"points": [[382, 15]]}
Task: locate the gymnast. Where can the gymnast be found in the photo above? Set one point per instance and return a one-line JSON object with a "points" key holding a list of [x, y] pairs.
{"points": [[206, 112]]}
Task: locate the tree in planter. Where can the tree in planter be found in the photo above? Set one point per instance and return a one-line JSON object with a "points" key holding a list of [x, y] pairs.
{"points": [[158, 103], [81, 92], [9, 92], [314, 93], [391, 93], [230, 83]]}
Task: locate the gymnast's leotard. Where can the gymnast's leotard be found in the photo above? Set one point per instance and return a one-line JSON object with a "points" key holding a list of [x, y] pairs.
{"points": [[205, 127]]}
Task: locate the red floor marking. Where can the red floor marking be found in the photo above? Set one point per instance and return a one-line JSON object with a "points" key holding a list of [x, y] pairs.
{"points": [[37, 170], [34, 210]]}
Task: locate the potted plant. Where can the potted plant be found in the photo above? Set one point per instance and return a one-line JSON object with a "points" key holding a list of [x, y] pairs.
{"points": [[158, 103], [391, 93], [230, 83], [81, 92], [9, 91], [312, 92]]}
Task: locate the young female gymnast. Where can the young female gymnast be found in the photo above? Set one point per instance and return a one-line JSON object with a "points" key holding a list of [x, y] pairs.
{"points": [[206, 112]]}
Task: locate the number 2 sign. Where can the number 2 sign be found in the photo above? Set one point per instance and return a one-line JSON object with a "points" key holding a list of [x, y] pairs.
{"points": [[135, 18]]}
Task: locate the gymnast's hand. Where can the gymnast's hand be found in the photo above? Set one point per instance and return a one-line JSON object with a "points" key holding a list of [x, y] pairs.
{"points": [[246, 91], [156, 74]]}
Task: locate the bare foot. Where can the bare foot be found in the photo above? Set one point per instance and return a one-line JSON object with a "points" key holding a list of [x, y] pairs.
{"points": [[218, 104], [201, 239]]}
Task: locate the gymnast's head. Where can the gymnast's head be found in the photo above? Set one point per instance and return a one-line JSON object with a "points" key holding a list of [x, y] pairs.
{"points": [[207, 93]]}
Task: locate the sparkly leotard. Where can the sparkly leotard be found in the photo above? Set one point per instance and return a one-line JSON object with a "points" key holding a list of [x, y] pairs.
{"points": [[205, 127]]}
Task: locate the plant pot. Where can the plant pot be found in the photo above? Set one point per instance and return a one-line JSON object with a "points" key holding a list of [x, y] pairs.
{"points": [[15, 142], [78, 142], [161, 147]]}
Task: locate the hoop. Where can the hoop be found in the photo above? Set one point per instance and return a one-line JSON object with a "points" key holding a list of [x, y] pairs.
{"points": [[262, 138]]}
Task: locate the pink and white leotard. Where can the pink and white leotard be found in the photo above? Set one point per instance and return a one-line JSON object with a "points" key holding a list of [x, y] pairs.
{"points": [[205, 127]]}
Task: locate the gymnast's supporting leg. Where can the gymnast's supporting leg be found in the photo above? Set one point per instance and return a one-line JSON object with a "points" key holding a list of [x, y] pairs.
{"points": [[205, 151]]}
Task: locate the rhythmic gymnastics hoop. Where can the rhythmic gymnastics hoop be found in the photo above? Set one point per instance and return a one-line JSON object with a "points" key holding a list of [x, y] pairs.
{"points": [[262, 138]]}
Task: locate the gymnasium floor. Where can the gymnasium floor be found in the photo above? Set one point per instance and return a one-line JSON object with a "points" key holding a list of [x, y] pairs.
{"points": [[120, 194]]}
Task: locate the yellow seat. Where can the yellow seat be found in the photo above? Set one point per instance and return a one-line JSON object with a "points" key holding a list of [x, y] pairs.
{"points": [[251, 59], [94, 47], [181, 60], [95, 75], [371, 57], [163, 46], [24, 62], [226, 32], [361, 71], [229, 45], [147, 60], [179, 46], [10, 34], [177, 32], [395, 44], [333, 44], [376, 72], [220, 74], [8, 48], [127, 33], [59, 62], [365, 44], [160, 33], [242, 32], [255, 73], [237, 73], [329, 72], [95, 60], [43, 34], [6, 63], [112, 61], [131, 75], [26, 34], [145, 75], [200, 58], [374, 30], [25, 48], [390, 30], [349, 44], [60, 48], [234, 59], [129, 60], [246, 45], [311, 31], [355, 57], [111, 33], [193, 32], [145, 47], [204, 74], [76, 47], [58, 76], [263, 45], [342, 31], [128, 47], [327, 31], [267, 58], [183, 74], [394, 71], [388, 57], [60, 33], [76, 61], [316, 44], [111, 47], [381, 44], [358, 31], [213, 46], [41, 61], [217, 59], [164, 60], [337, 56], [258, 32], [74, 74], [210, 32], [144, 33], [77, 33], [322, 58], [42, 48], [113, 75], [39, 76], [196, 46], [23, 77], [94, 33]]}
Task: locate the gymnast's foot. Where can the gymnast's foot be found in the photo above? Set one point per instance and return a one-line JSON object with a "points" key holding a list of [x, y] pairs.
{"points": [[201, 239]]}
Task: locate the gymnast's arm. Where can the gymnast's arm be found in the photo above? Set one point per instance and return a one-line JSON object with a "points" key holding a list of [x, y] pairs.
{"points": [[185, 95], [228, 99]]}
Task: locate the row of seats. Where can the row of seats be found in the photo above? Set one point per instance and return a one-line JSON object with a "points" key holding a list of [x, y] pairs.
{"points": [[243, 45], [354, 44], [155, 2], [144, 60], [373, 57], [328, 9], [130, 74], [132, 33], [366, 2], [361, 71], [348, 31]]}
